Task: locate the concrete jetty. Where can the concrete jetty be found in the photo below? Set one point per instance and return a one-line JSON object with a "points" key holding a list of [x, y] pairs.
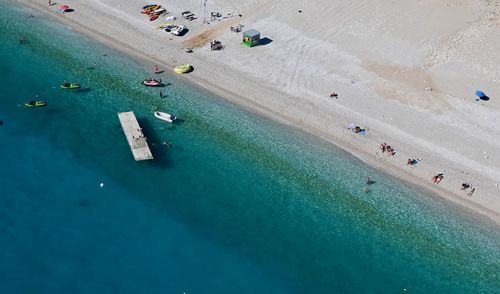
{"points": [[135, 137]]}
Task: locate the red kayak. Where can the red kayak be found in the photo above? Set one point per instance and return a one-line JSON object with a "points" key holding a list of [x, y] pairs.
{"points": [[154, 17]]}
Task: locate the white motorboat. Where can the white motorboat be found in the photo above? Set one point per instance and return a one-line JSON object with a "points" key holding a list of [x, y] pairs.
{"points": [[165, 116]]}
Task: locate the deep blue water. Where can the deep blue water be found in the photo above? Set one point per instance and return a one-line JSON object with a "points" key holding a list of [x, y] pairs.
{"points": [[239, 204]]}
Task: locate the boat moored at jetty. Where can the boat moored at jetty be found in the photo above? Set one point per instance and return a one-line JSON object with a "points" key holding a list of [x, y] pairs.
{"points": [[165, 116]]}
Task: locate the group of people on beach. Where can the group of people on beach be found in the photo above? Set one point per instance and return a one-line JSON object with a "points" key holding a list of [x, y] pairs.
{"points": [[466, 186], [356, 129], [436, 179], [387, 148], [412, 161]]}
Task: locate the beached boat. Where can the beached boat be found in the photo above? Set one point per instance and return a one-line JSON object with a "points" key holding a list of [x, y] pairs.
{"points": [[149, 9], [152, 83], [70, 86], [165, 116], [149, 5], [183, 68], [35, 104], [159, 11]]}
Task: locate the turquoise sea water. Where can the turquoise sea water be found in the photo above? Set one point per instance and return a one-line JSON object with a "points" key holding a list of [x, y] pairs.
{"points": [[239, 204]]}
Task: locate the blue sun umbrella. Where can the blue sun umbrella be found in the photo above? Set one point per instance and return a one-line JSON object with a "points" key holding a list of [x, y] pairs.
{"points": [[480, 94]]}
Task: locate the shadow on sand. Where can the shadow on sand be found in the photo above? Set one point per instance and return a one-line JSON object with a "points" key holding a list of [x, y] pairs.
{"points": [[265, 41]]}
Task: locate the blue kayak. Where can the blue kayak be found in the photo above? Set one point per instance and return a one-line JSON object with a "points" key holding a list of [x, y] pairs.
{"points": [[148, 5]]}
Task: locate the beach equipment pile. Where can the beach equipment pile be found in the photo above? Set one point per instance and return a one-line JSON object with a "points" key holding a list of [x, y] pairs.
{"points": [[153, 11]]}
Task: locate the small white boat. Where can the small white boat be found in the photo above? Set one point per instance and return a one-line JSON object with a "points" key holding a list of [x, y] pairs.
{"points": [[165, 116]]}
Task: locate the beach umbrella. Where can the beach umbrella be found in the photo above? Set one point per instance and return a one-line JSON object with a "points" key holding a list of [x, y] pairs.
{"points": [[480, 94], [63, 7]]}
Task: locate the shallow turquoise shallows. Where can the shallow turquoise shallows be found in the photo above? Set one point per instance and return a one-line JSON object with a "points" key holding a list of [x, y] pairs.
{"points": [[238, 204]]}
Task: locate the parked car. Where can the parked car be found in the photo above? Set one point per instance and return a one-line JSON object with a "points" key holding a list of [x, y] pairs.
{"points": [[179, 30]]}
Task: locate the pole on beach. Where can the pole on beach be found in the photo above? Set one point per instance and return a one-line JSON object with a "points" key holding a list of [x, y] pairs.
{"points": [[204, 3]]}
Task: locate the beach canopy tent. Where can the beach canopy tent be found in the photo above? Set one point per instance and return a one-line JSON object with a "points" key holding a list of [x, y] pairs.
{"points": [[480, 94], [251, 38]]}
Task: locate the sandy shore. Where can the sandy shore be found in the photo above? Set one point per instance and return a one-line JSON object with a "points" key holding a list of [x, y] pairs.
{"points": [[407, 72]]}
